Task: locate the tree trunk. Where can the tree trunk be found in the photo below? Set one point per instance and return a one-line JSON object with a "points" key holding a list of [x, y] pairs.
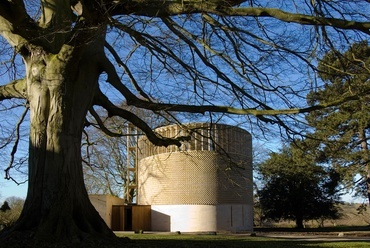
{"points": [[60, 92], [365, 149], [299, 222]]}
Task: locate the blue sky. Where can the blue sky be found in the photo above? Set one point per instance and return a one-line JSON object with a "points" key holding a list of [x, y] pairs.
{"points": [[9, 188]]}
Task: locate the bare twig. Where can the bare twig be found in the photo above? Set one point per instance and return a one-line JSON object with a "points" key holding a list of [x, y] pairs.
{"points": [[15, 146]]}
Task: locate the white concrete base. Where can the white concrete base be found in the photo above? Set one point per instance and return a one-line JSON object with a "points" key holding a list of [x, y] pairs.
{"points": [[202, 218]]}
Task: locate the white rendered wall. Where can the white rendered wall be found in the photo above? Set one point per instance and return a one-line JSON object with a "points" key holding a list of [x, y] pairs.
{"points": [[234, 217], [202, 218]]}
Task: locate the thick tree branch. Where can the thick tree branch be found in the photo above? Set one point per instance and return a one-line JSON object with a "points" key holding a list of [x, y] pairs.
{"points": [[259, 113], [14, 89], [127, 70], [16, 26], [115, 81], [166, 7], [102, 126], [56, 19], [56, 14], [101, 100], [225, 8], [296, 18]]}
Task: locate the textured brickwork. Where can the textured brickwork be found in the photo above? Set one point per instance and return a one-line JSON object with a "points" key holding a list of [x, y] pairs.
{"points": [[204, 137], [214, 167]]}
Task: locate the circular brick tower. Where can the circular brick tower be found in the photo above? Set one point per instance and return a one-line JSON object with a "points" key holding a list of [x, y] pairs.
{"points": [[204, 185]]}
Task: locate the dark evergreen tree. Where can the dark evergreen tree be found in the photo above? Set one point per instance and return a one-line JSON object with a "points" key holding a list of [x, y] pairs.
{"points": [[295, 188], [341, 132], [5, 207]]}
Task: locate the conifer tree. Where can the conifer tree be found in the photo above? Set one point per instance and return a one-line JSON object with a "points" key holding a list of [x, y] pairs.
{"points": [[342, 132]]}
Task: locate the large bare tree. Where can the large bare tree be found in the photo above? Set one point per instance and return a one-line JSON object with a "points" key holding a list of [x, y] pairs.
{"points": [[224, 57]]}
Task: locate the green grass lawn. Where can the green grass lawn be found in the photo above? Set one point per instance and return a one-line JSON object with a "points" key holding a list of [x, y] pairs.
{"points": [[229, 241]]}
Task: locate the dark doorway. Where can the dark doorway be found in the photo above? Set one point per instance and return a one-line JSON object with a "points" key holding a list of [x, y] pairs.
{"points": [[128, 218]]}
